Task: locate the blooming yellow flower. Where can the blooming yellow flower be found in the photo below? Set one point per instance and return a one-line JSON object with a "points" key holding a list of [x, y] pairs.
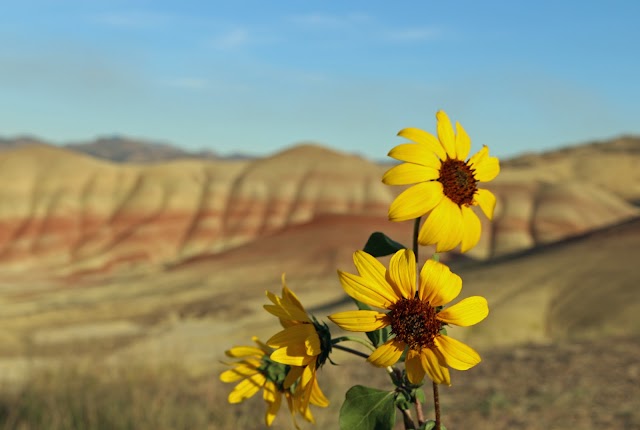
{"points": [[256, 371], [416, 317], [304, 344], [445, 185]]}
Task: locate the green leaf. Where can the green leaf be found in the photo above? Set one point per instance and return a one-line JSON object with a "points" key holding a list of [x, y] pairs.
{"points": [[380, 245], [420, 395], [366, 408]]}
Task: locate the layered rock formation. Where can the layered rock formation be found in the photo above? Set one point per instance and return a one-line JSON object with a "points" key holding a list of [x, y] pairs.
{"points": [[68, 213]]}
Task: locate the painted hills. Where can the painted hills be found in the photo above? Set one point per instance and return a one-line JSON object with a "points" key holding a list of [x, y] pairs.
{"points": [[171, 259]]}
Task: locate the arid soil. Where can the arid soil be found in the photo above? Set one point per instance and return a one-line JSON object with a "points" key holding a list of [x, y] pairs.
{"points": [[562, 386]]}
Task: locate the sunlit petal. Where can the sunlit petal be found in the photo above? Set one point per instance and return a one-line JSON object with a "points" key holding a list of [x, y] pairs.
{"points": [[402, 272], [435, 367], [463, 142], [272, 410], [424, 138], [360, 321], [244, 351], [445, 133], [486, 200], [466, 313], [408, 173], [471, 229], [438, 284], [317, 396], [443, 226], [387, 354], [367, 290], [416, 154], [456, 354], [486, 169], [237, 373], [369, 267], [247, 388], [416, 201], [414, 368]]}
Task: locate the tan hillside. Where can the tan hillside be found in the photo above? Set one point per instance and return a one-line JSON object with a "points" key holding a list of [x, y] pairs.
{"points": [[64, 213], [167, 260]]}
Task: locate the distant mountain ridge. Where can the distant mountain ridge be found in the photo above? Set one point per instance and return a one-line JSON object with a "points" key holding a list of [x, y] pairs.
{"points": [[121, 149]]}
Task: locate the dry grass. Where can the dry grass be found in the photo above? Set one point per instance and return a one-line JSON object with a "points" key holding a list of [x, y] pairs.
{"points": [[566, 386]]}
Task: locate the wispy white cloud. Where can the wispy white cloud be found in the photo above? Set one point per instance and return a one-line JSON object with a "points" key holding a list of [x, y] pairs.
{"points": [[133, 19], [420, 34], [323, 20], [232, 39], [188, 83], [201, 84]]}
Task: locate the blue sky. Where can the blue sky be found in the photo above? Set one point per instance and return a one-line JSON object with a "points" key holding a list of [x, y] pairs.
{"points": [[256, 76]]}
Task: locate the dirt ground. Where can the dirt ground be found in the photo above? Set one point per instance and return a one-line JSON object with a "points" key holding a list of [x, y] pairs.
{"points": [[572, 386]]}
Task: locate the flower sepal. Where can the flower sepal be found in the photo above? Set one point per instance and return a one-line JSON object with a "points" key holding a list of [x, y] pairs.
{"points": [[381, 245]]}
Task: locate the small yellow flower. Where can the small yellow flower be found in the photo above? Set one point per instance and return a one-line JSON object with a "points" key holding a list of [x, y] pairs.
{"points": [[256, 371], [445, 185], [304, 344], [416, 318]]}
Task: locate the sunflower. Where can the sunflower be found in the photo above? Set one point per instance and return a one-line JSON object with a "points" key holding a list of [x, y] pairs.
{"points": [[256, 371], [445, 185], [304, 344], [416, 318]]}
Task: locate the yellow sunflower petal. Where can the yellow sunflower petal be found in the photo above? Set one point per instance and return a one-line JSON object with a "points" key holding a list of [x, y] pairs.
{"points": [[486, 200], [317, 396], [367, 290], [424, 138], [471, 229], [272, 410], [478, 157], [387, 354], [244, 351], [237, 373], [443, 226], [263, 346], [416, 154], [438, 284], [285, 308], [293, 355], [435, 367], [247, 388], [302, 334], [463, 142], [370, 268], [292, 300], [456, 354], [416, 201], [361, 321], [402, 272], [270, 391], [409, 173], [445, 133], [466, 312], [413, 365], [292, 376], [486, 167]]}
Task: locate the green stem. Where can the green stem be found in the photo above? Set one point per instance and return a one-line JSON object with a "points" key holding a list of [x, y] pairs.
{"points": [[337, 340], [436, 405], [416, 230], [351, 351]]}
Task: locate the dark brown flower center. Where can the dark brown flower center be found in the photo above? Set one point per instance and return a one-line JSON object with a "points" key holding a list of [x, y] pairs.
{"points": [[414, 322], [458, 181]]}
